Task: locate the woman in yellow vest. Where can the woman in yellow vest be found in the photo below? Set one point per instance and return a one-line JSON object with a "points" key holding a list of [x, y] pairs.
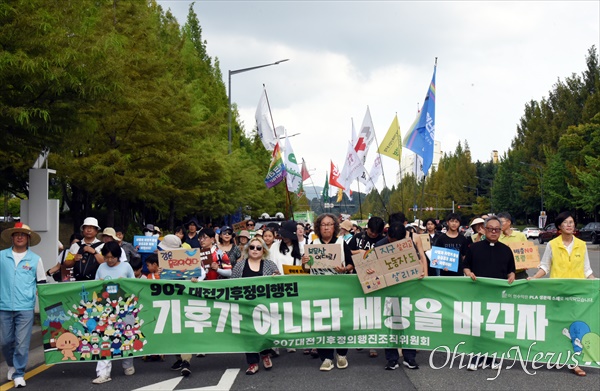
{"points": [[566, 257]]}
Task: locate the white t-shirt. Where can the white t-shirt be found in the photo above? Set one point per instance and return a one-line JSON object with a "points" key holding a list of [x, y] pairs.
{"points": [[40, 272], [279, 259]]}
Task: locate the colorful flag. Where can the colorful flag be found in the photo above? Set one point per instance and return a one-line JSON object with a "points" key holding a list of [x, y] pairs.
{"points": [[391, 145], [294, 177], [365, 136], [276, 171], [305, 174], [334, 177], [420, 137], [326, 188], [263, 123]]}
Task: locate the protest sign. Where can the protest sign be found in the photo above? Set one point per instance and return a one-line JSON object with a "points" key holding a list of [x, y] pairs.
{"points": [[527, 255], [147, 244], [425, 241], [391, 264], [324, 258], [237, 227], [180, 259], [538, 320], [295, 270], [442, 258]]}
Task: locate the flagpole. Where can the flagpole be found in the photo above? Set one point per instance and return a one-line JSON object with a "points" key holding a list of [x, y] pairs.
{"points": [[400, 167], [359, 202]]}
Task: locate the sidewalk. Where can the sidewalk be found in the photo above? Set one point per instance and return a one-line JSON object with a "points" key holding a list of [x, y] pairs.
{"points": [[36, 353]]}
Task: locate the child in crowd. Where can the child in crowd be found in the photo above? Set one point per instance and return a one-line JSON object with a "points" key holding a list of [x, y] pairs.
{"points": [[152, 265], [136, 265]]}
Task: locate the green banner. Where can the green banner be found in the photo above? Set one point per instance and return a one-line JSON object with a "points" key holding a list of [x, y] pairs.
{"points": [[548, 320]]}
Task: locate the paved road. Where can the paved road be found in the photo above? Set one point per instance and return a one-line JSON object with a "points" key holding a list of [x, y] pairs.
{"points": [[295, 371]]}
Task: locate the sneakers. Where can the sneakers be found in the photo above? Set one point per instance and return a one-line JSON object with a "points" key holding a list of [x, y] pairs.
{"points": [[19, 382], [327, 365], [275, 352], [252, 369], [391, 365], [472, 366], [199, 355], [185, 368], [291, 350], [342, 362], [267, 363], [411, 364], [98, 380], [129, 371], [177, 365], [11, 372]]}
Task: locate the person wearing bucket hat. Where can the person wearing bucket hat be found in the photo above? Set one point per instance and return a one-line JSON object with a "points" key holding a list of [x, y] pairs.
{"points": [[243, 237], [20, 270], [192, 237], [346, 230], [110, 235], [88, 256], [288, 251]]}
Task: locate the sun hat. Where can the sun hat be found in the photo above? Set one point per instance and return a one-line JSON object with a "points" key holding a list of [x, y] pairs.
{"points": [[157, 230], [91, 221], [477, 220], [244, 233], [418, 224], [170, 242], [108, 231], [34, 238], [347, 225]]}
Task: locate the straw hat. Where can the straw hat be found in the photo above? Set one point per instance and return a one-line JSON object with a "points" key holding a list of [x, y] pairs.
{"points": [[34, 238]]}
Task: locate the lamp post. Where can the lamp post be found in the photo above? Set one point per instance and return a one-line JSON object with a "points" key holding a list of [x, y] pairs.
{"points": [[541, 182], [491, 195], [235, 72], [471, 187]]}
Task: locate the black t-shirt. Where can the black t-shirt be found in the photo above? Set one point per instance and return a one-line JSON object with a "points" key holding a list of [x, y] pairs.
{"points": [[490, 260], [251, 273], [459, 244], [362, 241]]}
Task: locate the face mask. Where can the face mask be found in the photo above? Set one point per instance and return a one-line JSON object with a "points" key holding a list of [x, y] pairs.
{"points": [[147, 233]]}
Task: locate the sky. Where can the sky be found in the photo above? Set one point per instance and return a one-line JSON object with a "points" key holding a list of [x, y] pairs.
{"points": [[492, 58]]}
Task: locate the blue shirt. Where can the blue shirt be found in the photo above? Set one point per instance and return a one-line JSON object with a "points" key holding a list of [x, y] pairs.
{"points": [[121, 269]]}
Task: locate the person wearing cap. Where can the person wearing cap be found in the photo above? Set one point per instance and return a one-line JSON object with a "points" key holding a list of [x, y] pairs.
{"points": [[87, 252], [110, 235], [192, 233], [20, 270], [510, 236]]}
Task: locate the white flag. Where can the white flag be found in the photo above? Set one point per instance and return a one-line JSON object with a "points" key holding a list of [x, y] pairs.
{"points": [[365, 136], [374, 174], [294, 177], [263, 123]]}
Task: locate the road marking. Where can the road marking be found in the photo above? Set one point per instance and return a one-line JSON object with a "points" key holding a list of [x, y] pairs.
{"points": [[169, 385], [28, 375]]}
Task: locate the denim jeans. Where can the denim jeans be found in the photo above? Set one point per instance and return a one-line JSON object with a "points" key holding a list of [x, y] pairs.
{"points": [[15, 335]]}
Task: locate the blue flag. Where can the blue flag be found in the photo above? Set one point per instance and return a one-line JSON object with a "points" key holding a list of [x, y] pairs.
{"points": [[420, 136]]}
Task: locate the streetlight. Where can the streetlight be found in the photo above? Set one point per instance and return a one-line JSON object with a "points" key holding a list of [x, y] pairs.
{"points": [[491, 189], [476, 189], [541, 182], [235, 72]]}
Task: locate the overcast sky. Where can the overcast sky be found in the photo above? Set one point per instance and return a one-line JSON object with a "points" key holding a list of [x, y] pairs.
{"points": [[493, 57]]}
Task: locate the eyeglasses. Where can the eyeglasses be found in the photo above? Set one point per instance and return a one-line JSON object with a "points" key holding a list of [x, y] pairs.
{"points": [[20, 235], [257, 248], [492, 229], [327, 225]]}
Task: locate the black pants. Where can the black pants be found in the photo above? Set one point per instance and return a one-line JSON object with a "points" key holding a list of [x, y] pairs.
{"points": [[393, 354], [254, 358]]}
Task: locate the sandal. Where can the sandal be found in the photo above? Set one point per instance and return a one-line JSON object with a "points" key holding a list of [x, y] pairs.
{"points": [[306, 351], [373, 353], [578, 371]]}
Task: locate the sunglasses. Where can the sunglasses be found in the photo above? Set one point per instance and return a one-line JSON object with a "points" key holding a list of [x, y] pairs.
{"points": [[250, 225], [226, 233], [257, 248], [493, 229]]}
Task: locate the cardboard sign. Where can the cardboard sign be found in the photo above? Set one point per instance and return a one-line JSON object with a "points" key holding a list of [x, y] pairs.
{"points": [[527, 255], [391, 264], [295, 270], [425, 242], [442, 258], [147, 244], [324, 258], [237, 227], [181, 259]]}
